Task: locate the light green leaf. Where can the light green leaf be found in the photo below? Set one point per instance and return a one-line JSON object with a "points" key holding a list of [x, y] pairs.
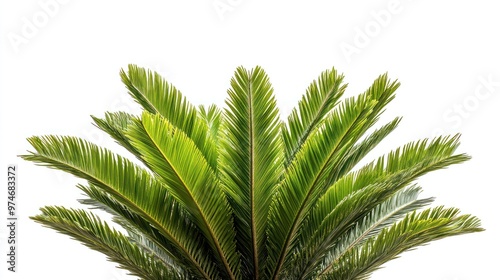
{"points": [[320, 98], [175, 158], [251, 159], [156, 95], [128, 184]]}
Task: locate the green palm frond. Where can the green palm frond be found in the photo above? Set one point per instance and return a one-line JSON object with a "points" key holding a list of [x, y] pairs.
{"points": [[358, 151], [97, 235], [357, 228], [354, 196], [158, 96], [320, 98], [236, 193], [136, 226], [115, 125], [252, 144], [310, 173], [190, 180], [128, 184], [212, 116], [414, 230]]}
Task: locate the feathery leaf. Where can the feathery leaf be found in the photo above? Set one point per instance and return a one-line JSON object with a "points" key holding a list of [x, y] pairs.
{"points": [[97, 235], [251, 160], [175, 159], [320, 98]]}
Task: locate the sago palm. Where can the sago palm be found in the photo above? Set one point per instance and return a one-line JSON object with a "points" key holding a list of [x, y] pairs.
{"points": [[238, 193]]}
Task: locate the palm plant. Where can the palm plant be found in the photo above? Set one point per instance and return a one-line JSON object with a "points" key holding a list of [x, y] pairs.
{"points": [[237, 193]]}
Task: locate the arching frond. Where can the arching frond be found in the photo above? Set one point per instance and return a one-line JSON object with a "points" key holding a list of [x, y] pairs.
{"points": [[98, 235], [130, 185], [321, 97], [158, 96], [310, 174], [414, 230], [413, 159], [364, 227], [175, 159], [358, 151], [115, 124], [346, 202], [137, 225]]}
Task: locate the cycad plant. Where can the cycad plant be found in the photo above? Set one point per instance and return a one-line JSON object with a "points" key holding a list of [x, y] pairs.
{"points": [[238, 193]]}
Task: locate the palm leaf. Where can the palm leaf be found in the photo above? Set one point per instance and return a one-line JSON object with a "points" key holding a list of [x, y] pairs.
{"points": [[346, 202], [320, 98], [380, 93], [310, 174], [130, 185], [115, 124], [414, 159], [414, 230], [156, 95], [97, 235], [175, 159], [137, 226], [252, 144], [358, 151], [366, 226]]}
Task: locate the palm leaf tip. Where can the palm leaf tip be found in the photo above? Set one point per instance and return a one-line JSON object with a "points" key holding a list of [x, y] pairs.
{"points": [[321, 97], [238, 193]]}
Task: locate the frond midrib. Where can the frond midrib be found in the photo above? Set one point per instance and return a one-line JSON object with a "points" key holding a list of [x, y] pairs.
{"points": [[138, 229], [251, 130], [140, 210], [291, 232], [198, 209], [362, 236], [314, 123], [428, 168]]}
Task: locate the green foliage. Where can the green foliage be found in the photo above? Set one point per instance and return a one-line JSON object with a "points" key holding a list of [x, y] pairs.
{"points": [[237, 193]]}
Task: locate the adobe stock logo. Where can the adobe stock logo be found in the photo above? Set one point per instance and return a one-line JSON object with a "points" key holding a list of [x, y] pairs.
{"points": [[456, 114], [371, 29], [31, 25]]}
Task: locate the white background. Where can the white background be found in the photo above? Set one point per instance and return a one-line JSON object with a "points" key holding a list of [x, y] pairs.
{"points": [[60, 62]]}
